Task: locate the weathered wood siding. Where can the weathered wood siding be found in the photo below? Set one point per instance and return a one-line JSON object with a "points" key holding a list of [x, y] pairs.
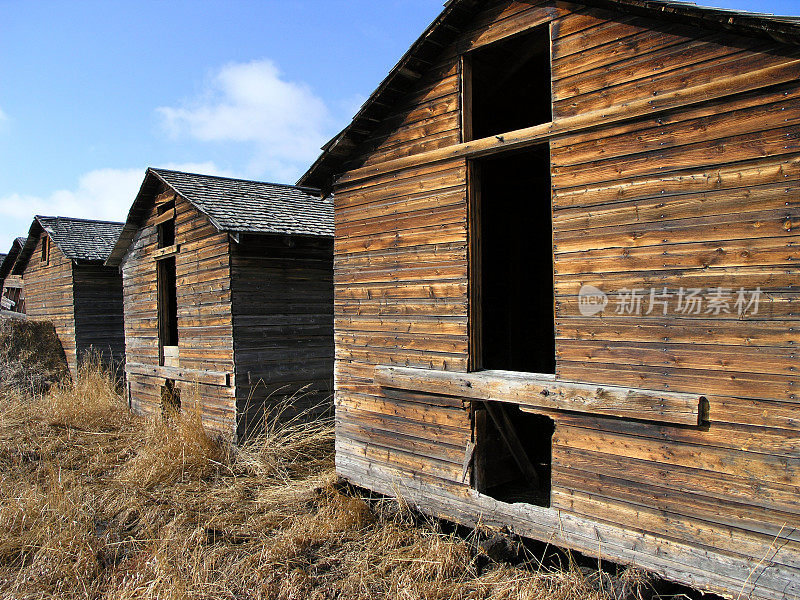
{"points": [[702, 196], [282, 323], [205, 328], [97, 292], [12, 288], [49, 296]]}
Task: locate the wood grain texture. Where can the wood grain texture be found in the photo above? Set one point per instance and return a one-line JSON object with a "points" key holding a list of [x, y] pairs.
{"points": [[49, 296], [541, 391], [82, 300], [675, 164], [205, 330], [255, 322]]}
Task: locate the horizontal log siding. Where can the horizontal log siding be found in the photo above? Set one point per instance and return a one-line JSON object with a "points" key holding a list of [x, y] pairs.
{"points": [[205, 329], [704, 196], [709, 200], [400, 298], [98, 312], [49, 296], [283, 324]]}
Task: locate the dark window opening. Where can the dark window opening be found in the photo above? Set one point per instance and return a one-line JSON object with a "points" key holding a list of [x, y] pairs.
{"points": [[515, 309], [166, 234], [170, 399], [45, 250], [509, 84], [167, 305], [166, 230], [512, 461]]}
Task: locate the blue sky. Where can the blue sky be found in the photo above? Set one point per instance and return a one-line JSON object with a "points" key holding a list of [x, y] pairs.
{"points": [[92, 92]]}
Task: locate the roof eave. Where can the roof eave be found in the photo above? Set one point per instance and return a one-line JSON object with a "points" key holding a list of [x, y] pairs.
{"points": [[785, 30], [26, 252], [132, 221]]}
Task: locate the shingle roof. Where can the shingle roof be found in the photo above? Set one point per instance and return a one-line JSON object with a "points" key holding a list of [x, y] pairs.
{"points": [[457, 15], [254, 206], [79, 239], [7, 263], [235, 206]]}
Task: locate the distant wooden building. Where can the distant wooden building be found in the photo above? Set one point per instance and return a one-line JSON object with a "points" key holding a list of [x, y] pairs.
{"points": [[12, 297], [566, 285], [65, 282], [228, 296]]}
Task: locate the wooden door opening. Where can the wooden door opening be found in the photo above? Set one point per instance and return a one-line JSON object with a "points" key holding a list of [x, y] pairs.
{"points": [[513, 453], [513, 298], [167, 311], [506, 85], [166, 279]]}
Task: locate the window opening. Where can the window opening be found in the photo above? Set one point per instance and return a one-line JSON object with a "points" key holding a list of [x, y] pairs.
{"points": [[507, 85], [512, 460], [513, 262]]}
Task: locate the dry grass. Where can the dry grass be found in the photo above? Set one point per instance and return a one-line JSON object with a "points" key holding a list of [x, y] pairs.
{"points": [[96, 503]]}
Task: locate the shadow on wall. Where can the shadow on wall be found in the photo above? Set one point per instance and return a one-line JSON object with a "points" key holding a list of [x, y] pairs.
{"points": [[32, 359]]}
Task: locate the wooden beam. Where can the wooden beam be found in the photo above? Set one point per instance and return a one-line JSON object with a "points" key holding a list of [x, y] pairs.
{"points": [[465, 66], [506, 430], [545, 391], [164, 197], [635, 109], [480, 432], [217, 378], [468, 454], [169, 215], [166, 252]]}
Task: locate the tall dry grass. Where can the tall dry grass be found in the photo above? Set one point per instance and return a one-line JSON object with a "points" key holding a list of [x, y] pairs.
{"points": [[97, 503]]}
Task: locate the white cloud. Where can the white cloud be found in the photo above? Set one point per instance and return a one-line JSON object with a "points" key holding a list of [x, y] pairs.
{"points": [[283, 121], [103, 194], [100, 194]]}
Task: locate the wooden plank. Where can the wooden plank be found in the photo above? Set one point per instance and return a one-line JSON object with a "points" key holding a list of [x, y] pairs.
{"points": [[623, 111], [545, 391], [216, 378], [167, 195], [169, 215], [166, 252]]}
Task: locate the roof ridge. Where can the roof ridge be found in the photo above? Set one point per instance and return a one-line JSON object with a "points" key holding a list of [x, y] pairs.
{"points": [[286, 185], [80, 219]]}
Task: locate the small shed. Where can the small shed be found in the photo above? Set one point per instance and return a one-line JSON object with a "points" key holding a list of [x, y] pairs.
{"points": [[566, 300], [12, 295], [66, 282], [228, 298]]}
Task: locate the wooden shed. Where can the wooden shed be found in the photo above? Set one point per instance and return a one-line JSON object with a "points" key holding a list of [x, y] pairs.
{"points": [[566, 283], [65, 282], [12, 296], [228, 297]]}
